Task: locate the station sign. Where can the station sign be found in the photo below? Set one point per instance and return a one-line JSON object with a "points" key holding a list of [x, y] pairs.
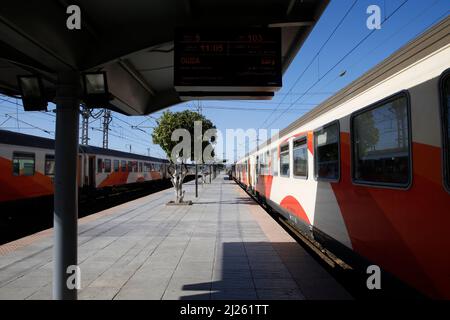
{"points": [[227, 60]]}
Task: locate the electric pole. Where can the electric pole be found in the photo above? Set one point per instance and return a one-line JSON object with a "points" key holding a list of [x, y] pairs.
{"points": [[107, 118], [85, 114], [199, 107]]}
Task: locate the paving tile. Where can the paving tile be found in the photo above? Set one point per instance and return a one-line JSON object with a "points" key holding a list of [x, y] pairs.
{"points": [[30, 282], [280, 294], [270, 283], [16, 293], [216, 249], [45, 293], [233, 283], [241, 294], [324, 289], [90, 293], [187, 295]]}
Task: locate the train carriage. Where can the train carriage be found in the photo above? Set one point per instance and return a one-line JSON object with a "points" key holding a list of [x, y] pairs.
{"points": [[27, 166], [367, 173]]}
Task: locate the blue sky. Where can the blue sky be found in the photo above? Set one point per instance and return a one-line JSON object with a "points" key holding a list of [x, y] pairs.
{"points": [[302, 88]]}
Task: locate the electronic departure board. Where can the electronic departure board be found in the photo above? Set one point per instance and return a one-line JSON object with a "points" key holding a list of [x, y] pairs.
{"points": [[227, 60]]}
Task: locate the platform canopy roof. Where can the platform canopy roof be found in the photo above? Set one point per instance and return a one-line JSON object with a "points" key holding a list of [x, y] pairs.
{"points": [[131, 40]]}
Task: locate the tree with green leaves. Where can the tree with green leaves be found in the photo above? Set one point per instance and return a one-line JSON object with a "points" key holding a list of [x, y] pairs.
{"points": [[192, 128]]}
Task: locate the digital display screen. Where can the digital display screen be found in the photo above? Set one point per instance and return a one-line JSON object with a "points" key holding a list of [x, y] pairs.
{"points": [[228, 58]]}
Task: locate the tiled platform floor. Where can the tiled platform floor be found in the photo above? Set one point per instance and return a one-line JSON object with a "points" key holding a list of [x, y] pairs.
{"points": [[223, 247]]}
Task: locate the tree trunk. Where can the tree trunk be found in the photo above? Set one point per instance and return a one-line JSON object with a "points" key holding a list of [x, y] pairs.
{"points": [[177, 178]]}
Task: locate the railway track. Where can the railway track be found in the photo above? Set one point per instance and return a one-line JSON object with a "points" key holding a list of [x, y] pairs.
{"points": [[352, 276]]}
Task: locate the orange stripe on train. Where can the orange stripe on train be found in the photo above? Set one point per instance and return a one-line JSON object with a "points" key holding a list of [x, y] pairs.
{"points": [[19, 187]]}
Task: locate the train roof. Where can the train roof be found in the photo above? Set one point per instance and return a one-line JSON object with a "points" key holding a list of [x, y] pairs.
{"points": [[21, 139], [429, 41]]}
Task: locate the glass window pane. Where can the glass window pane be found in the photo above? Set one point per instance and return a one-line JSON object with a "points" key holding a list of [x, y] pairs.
{"points": [[284, 161], [300, 154], [107, 165], [381, 144], [116, 165], [274, 162], [49, 165], [326, 142], [124, 166], [99, 165], [23, 164], [266, 163], [257, 165]]}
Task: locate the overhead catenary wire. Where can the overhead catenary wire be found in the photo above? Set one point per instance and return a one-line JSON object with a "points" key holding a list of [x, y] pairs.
{"points": [[314, 58], [340, 60], [249, 109], [130, 132], [387, 39], [31, 125]]}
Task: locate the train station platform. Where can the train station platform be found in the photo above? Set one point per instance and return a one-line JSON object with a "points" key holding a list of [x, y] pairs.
{"points": [[224, 246]]}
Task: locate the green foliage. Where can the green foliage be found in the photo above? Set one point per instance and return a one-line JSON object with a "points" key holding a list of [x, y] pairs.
{"points": [[170, 121], [370, 133]]}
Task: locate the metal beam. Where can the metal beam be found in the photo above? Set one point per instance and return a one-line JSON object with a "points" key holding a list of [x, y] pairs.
{"points": [[128, 66], [66, 189]]}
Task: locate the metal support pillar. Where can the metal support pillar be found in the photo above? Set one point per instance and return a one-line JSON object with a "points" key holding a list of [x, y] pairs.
{"points": [[66, 189], [106, 122], [196, 180], [85, 114]]}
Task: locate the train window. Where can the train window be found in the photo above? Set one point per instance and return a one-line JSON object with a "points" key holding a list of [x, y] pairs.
{"points": [[264, 167], [446, 125], [49, 165], [257, 165], [266, 163], [326, 153], [300, 153], [381, 143], [261, 164], [130, 166], [123, 165], [116, 165], [274, 162], [140, 166], [107, 165], [23, 164], [284, 161], [99, 165]]}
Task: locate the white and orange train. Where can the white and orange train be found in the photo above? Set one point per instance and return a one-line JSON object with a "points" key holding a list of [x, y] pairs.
{"points": [[27, 167], [367, 173]]}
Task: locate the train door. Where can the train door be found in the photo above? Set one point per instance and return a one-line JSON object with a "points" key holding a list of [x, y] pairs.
{"points": [[92, 171]]}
